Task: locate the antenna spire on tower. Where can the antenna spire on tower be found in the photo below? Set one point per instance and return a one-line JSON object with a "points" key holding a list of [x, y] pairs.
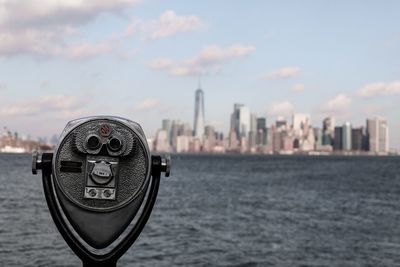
{"points": [[199, 81], [198, 126]]}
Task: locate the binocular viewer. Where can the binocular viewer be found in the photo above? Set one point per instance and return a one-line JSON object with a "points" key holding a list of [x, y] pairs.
{"points": [[100, 178]]}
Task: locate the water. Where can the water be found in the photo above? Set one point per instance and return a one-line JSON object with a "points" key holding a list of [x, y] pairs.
{"points": [[232, 211]]}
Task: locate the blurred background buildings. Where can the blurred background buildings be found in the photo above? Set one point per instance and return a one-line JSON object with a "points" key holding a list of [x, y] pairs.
{"points": [[12, 142], [250, 133]]}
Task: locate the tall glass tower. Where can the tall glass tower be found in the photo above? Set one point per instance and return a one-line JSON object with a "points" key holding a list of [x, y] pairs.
{"points": [[346, 141], [198, 126]]}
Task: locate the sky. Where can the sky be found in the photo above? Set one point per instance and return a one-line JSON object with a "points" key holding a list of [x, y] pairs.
{"points": [[143, 59]]}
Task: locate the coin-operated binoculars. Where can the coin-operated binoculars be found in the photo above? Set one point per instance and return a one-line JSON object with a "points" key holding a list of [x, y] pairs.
{"points": [[100, 178]]}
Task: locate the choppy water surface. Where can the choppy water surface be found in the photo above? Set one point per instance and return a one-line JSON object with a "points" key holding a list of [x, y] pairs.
{"points": [[232, 211]]}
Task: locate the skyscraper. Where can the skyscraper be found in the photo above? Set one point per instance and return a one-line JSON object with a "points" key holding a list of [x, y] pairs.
{"points": [[198, 126], [281, 124], [346, 136], [378, 132], [328, 131], [300, 121], [253, 131], [338, 140], [161, 142], [318, 137], [357, 138], [167, 126], [261, 131], [261, 123], [241, 120]]}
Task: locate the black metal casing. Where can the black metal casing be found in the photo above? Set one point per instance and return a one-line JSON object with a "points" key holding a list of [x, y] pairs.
{"points": [[94, 190]]}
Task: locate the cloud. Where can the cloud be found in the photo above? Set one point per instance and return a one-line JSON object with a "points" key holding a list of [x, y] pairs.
{"points": [[208, 61], [161, 63], [45, 43], [338, 104], [48, 28], [87, 50], [298, 88], [38, 42], [56, 105], [284, 73], [43, 27], [380, 89], [147, 104], [282, 108], [41, 13], [168, 24]]}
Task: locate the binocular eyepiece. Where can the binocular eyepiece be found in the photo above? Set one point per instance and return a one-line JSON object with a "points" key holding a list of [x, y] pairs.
{"points": [[96, 181]]}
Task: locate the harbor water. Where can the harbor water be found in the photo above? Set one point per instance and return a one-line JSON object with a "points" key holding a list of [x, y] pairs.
{"points": [[231, 210]]}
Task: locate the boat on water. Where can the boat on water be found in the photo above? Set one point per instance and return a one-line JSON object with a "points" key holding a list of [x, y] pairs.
{"points": [[11, 149]]}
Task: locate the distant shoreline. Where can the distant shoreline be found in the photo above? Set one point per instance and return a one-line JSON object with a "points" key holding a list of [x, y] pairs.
{"points": [[276, 154], [366, 155]]}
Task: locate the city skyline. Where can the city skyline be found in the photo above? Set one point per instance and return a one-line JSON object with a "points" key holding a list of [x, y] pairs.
{"points": [[141, 60], [250, 133], [243, 121]]}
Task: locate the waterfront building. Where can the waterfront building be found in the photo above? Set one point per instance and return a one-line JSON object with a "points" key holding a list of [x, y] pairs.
{"points": [[198, 125], [235, 118], [357, 138], [378, 133], [286, 141], [261, 123], [338, 140], [179, 128], [365, 139], [299, 122], [262, 135], [186, 130], [253, 132], [328, 131], [12, 142], [233, 143], [253, 122], [346, 136], [183, 143], [210, 138], [307, 141], [252, 140], [175, 132], [244, 119], [318, 137], [244, 145], [161, 142], [221, 144], [195, 145], [240, 120], [281, 124], [296, 143], [276, 139], [167, 126]]}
